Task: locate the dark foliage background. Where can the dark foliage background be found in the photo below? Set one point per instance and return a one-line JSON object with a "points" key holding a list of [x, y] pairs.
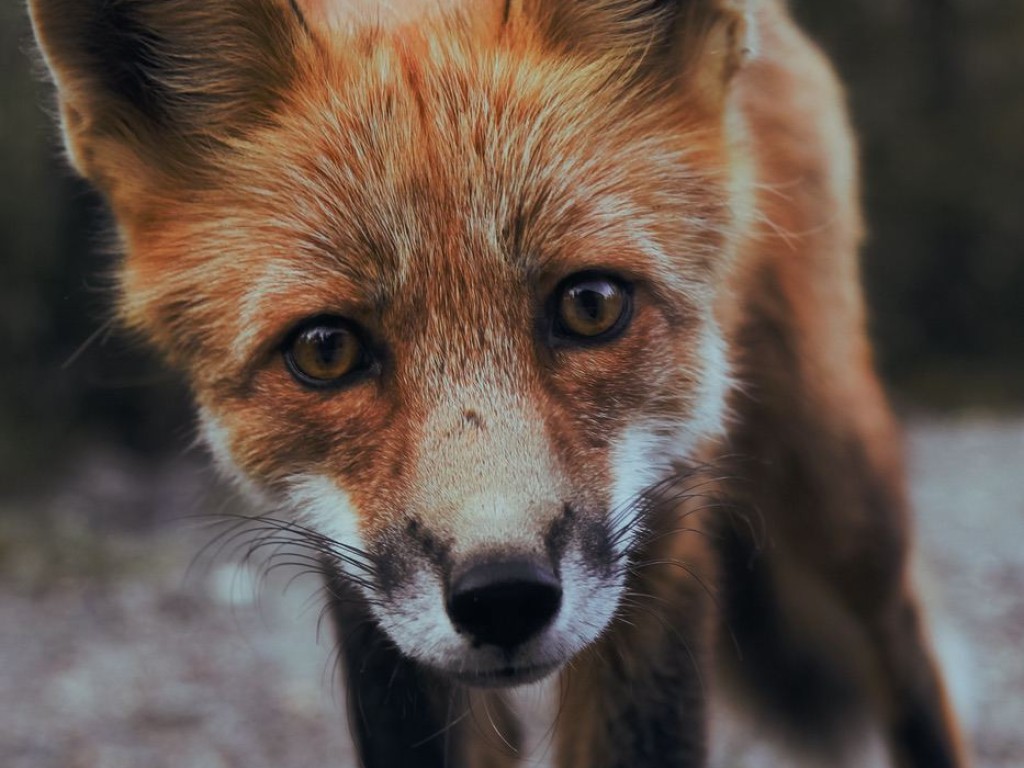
{"points": [[937, 90], [937, 93]]}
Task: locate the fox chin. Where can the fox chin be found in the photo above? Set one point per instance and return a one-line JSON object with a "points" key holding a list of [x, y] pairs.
{"points": [[537, 324]]}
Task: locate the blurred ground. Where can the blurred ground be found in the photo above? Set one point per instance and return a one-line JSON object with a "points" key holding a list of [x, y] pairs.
{"points": [[114, 657]]}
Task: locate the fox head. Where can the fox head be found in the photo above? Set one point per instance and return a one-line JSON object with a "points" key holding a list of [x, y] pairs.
{"points": [[444, 288]]}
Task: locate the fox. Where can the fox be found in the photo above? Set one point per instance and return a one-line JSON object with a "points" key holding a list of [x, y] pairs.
{"points": [[541, 322]]}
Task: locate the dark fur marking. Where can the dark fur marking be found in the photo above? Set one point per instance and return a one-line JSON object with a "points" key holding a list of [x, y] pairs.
{"points": [[300, 16], [474, 419], [655, 713], [596, 546], [796, 684], [398, 711], [124, 52], [437, 552], [654, 733], [919, 734], [660, 732], [558, 535], [403, 548]]}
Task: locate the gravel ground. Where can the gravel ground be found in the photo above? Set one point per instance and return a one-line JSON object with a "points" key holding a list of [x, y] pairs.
{"points": [[115, 654]]}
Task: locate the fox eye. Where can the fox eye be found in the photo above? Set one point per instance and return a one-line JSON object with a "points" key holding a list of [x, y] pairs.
{"points": [[591, 308], [325, 352]]}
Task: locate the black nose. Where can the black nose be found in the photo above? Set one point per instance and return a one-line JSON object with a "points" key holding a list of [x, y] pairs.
{"points": [[504, 603]]}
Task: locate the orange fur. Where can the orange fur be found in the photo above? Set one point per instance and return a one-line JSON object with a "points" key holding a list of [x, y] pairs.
{"points": [[433, 173]]}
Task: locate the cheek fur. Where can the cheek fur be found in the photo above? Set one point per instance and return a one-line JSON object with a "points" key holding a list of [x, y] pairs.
{"points": [[634, 408], [217, 438], [320, 504], [277, 431], [653, 444], [312, 500]]}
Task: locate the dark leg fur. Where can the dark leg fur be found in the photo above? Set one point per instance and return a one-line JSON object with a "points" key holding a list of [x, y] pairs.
{"points": [[397, 712], [919, 720], [401, 715], [636, 699], [795, 663], [824, 471]]}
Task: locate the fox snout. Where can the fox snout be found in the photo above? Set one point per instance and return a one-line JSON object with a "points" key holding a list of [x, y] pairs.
{"points": [[497, 610]]}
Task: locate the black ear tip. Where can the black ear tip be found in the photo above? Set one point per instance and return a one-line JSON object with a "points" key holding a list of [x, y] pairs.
{"points": [[145, 72], [103, 47], [127, 56]]}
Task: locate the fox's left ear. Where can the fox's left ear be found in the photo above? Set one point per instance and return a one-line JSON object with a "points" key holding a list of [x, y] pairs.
{"points": [[148, 87], [700, 43]]}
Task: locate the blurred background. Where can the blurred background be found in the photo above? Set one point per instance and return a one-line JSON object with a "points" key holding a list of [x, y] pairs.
{"points": [[97, 469]]}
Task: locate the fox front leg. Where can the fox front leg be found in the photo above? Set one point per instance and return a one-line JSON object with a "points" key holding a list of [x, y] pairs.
{"points": [[399, 714], [636, 699]]}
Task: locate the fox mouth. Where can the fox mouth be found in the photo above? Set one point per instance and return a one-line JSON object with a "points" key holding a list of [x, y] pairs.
{"points": [[503, 677]]}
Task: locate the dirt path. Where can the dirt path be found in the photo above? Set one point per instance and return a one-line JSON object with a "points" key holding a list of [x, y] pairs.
{"points": [[112, 657]]}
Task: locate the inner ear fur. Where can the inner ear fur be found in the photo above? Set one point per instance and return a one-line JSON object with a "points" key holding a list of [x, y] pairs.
{"points": [[696, 44], [146, 86]]}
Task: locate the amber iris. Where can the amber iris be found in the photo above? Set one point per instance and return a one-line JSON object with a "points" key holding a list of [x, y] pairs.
{"points": [[324, 353], [592, 308]]}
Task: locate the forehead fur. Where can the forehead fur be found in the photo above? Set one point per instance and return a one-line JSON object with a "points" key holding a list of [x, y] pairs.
{"points": [[426, 154]]}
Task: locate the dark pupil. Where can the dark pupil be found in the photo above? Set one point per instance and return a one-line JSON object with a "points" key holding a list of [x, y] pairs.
{"points": [[328, 344], [590, 301]]}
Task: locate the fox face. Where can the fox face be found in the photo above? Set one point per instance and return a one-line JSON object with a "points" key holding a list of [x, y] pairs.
{"points": [[452, 289], [446, 299]]}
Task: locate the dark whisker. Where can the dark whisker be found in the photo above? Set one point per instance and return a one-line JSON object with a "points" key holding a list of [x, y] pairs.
{"points": [[269, 544], [636, 605], [636, 567]]}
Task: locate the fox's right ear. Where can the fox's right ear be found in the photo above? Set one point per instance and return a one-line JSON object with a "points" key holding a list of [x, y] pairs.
{"points": [[699, 44], [147, 86]]}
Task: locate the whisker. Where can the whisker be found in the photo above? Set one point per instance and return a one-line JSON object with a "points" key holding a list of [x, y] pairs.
{"points": [[677, 564], [675, 631], [496, 730], [443, 731]]}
